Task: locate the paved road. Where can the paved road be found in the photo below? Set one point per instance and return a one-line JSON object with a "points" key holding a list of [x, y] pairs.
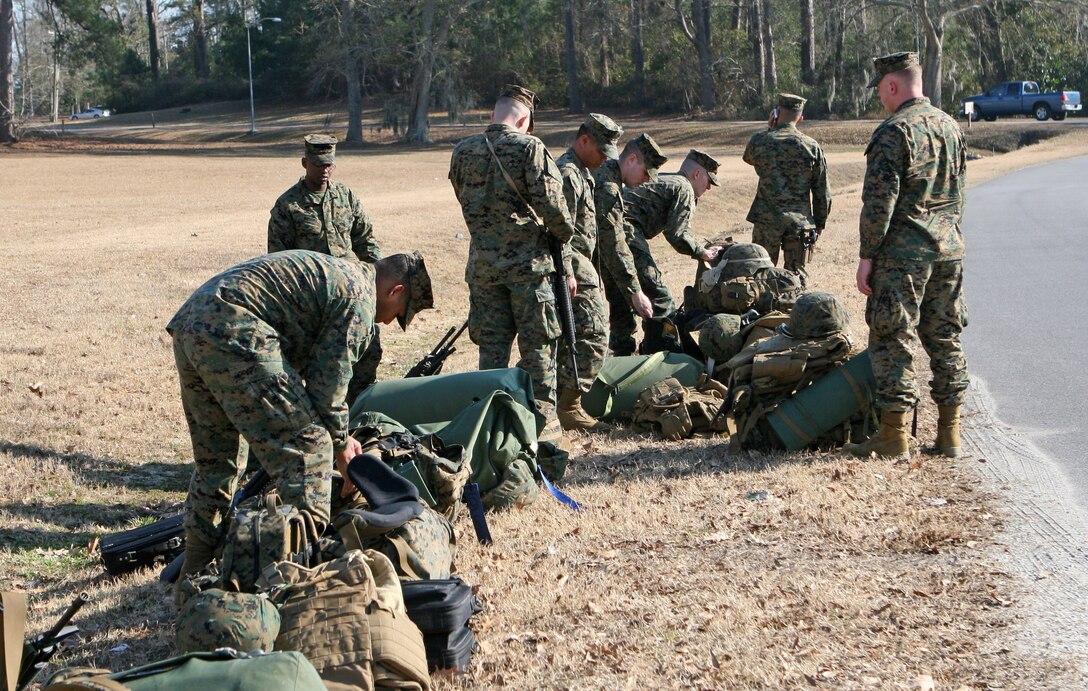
{"points": [[1026, 268]]}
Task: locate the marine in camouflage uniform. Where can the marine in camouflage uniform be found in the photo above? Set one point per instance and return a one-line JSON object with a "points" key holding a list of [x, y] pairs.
{"points": [[322, 215], [911, 253], [510, 269], [665, 206], [595, 142], [264, 351], [637, 164], [793, 198]]}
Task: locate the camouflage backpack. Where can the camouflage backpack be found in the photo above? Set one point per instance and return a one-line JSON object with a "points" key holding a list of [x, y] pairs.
{"points": [[678, 412], [769, 370], [745, 279], [438, 470], [422, 548], [265, 533], [348, 618]]}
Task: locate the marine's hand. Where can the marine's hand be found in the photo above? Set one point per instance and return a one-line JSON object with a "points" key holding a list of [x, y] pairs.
{"points": [[353, 449], [642, 305], [572, 286], [865, 270], [773, 119], [710, 253]]}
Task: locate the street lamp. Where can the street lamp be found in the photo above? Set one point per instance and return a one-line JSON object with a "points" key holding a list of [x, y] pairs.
{"points": [[253, 22]]}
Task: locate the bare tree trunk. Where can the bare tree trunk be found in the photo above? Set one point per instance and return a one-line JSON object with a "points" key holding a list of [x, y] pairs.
{"points": [[838, 74], [638, 55], [755, 38], [351, 73], [7, 72], [737, 18], [200, 41], [153, 38], [934, 54], [768, 47], [574, 88], [419, 125], [700, 34], [808, 44], [987, 26]]}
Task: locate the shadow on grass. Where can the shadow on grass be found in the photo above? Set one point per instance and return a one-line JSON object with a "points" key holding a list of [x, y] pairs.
{"points": [[110, 472]]}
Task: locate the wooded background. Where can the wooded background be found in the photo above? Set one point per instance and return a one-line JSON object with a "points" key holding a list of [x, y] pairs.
{"points": [[722, 58]]}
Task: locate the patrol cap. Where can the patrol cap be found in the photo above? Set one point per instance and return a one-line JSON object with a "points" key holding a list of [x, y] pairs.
{"points": [[522, 96], [886, 64], [706, 161], [651, 154], [320, 148], [792, 101], [604, 132], [418, 285]]}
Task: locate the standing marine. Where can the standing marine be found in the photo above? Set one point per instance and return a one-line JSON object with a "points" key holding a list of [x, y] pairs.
{"points": [[322, 215], [793, 198], [911, 257], [511, 196]]}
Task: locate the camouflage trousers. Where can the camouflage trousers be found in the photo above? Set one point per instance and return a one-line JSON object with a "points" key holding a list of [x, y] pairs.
{"points": [[621, 317], [226, 397], [591, 332], [525, 310], [914, 301], [365, 371], [784, 235]]}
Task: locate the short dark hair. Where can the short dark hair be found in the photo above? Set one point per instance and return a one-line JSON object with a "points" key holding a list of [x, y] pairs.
{"points": [[582, 129], [394, 268], [632, 147]]}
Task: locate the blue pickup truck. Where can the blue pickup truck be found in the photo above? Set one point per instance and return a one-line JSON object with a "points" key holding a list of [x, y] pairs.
{"points": [[1021, 98]]}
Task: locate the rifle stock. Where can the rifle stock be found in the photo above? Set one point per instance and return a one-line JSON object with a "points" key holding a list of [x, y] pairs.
{"points": [[39, 650], [562, 301], [431, 363]]}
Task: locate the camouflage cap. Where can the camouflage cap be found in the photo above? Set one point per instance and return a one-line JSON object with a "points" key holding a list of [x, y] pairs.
{"points": [[418, 286], [887, 64], [816, 315], [517, 487], [651, 154], [706, 161], [792, 101], [524, 97], [215, 619], [604, 132], [320, 148]]}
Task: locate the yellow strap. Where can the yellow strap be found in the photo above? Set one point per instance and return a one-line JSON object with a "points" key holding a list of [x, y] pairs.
{"points": [[14, 631]]}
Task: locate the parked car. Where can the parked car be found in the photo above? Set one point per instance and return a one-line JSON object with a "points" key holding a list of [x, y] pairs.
{"points": [[1022, 98], [96, 112]]}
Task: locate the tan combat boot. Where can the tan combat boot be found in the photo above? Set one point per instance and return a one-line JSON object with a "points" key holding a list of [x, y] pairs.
{"points": [[890, 440], [948, 430], [573, 416]]}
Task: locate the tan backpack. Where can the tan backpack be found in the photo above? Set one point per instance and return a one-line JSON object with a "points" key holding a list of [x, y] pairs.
{"points": [[678, 411], [348, 618]]}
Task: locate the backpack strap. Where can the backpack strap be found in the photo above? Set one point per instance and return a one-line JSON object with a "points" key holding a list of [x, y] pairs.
{"points": [[401, 545], [14, 610]]}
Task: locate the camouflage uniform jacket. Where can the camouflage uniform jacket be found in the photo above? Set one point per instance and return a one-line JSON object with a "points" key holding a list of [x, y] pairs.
{"points": [[506, 244], [578, 191], [318, 309], [792, 178], [613, 254], [915, 180], [332, 222], [664, 206]]}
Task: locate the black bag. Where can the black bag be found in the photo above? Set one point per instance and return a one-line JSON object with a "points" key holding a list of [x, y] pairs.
{"points": [[441, 609], [133, 549]]}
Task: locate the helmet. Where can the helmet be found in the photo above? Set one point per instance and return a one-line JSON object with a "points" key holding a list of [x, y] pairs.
{"points": [[744, 259], [216, 619], [720, 336], [816, 315]]}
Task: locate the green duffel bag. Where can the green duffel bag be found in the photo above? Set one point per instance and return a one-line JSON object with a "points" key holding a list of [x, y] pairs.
{"points": [[426, 404], [621, 379], [223, 670]]}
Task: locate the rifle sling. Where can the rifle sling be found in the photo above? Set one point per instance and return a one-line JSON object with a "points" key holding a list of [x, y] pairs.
{"points": [[14, 631], [510, 181]]}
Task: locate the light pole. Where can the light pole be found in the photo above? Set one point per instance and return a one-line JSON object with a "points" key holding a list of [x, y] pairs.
{"points": [[254, 22]]}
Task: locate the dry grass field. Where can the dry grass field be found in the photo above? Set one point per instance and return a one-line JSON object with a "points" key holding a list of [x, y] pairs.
{"points": [[677, 575]]}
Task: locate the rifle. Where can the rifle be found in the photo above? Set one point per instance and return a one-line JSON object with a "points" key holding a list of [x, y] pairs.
{"points": [[432, 362], [39, 650], [562, 301], [254, 487]]}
